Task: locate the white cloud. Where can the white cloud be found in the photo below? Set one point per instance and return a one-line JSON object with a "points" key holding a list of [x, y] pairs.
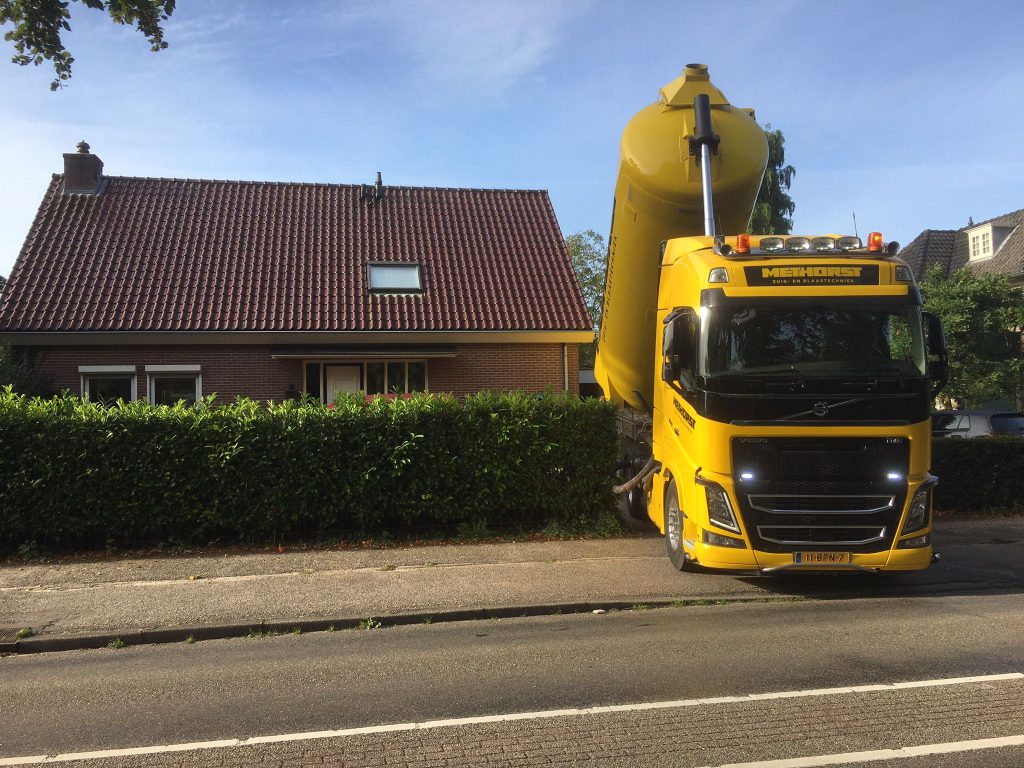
{"points": [[459, 42]]}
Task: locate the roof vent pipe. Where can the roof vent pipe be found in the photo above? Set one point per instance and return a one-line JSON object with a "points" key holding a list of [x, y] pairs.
{"points": [[378, 187]]}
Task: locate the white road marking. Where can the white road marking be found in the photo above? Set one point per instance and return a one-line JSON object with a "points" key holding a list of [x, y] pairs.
{"points": [[903, 753], [853, 757]]}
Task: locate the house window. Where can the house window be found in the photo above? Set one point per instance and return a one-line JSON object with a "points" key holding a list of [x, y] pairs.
{"points": [[396, 377], [313, 380], [169, 384], [394, 278], [108, 383], [981, 243], [374, 377]]}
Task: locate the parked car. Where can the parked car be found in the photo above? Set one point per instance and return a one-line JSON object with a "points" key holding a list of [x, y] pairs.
{"points": [[976, 423]]}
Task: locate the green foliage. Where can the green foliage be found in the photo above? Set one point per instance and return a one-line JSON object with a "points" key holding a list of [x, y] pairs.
{"points": [[982, 316], [78, 475], [978, 474], [773, 209], [16, 370], [38, 25], [589, 256]]}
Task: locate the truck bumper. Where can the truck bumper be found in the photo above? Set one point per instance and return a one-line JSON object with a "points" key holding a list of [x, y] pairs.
{"points": [[722, 558]]}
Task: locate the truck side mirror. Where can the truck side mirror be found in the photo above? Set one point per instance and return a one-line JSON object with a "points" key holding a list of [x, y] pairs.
{"points": [[938, 364], [677, 347]]}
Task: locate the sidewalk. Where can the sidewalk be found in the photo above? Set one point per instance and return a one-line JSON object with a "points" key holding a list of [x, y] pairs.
{"points": [[70, 605]]}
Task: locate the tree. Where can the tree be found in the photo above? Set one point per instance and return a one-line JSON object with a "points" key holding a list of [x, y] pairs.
{"points": [[16, 370], [982, 316], [773, 209], [589, 257], [38, 25]]}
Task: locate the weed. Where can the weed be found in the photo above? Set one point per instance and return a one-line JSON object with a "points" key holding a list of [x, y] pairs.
{"points": [[388, 567], [428, 619], [296, 630], [680, 603], [370, 623], [24, 632], [190, 639], [269, 633], [116, 643], [331, 628], [640, 606]]}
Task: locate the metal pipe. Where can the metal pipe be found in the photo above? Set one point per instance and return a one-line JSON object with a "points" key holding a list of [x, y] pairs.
{"points": [[709, 204]]}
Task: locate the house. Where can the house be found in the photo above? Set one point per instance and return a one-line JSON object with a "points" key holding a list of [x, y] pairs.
{"points": [[172, 289], [995, 246]]}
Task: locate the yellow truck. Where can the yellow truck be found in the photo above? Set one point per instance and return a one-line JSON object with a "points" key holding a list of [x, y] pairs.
{"points": [[775, 390]]}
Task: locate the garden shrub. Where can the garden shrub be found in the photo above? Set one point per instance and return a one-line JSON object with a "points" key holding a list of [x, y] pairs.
{"points": [[78, 475], [979, 474]]}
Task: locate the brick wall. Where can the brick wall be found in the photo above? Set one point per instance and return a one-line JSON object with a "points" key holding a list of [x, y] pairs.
{"points": [[530, 367], [250, 371], [228, 371]]}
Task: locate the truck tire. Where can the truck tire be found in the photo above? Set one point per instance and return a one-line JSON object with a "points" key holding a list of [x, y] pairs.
{"points": [[674, 527]]}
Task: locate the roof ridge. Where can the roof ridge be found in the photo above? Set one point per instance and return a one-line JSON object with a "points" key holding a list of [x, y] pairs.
{"points": [[339, 185], [990, 220]]}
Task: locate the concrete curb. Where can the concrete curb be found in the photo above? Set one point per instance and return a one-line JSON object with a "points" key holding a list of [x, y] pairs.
{"points": [[161, 635]]}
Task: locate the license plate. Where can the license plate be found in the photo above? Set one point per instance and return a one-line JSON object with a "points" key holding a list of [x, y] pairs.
{"points": [[821, 558]]}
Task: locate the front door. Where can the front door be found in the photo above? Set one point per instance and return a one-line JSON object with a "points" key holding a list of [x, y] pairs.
{"points": [[342, 378]]}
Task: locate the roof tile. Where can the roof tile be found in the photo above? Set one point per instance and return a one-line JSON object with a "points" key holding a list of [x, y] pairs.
{"points": [[199, 255]]}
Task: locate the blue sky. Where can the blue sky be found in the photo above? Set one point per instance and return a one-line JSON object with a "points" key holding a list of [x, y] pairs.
{"points": [[911, 114]]}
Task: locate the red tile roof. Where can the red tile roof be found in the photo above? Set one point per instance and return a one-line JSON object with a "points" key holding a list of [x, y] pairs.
{"points": [[198, 255]]}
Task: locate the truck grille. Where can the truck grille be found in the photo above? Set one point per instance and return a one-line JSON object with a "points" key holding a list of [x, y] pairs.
{"points": [[826, 493]]}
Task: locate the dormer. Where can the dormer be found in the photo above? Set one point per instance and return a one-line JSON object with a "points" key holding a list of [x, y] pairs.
{"points": [[984, 240]]}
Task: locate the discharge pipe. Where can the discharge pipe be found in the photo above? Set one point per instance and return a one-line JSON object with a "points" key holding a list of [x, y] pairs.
{"points": [[705, 142]]}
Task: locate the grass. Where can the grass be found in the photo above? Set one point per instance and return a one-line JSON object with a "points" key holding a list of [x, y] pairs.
{"points": [[116, 643], [190, 639], [370, 623], [24, 632]]}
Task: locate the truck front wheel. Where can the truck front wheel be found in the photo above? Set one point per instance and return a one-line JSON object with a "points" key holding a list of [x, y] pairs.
{"points": [[674, 527]]}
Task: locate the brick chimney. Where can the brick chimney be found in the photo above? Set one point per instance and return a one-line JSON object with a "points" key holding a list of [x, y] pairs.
{"points": [[83, 172]]}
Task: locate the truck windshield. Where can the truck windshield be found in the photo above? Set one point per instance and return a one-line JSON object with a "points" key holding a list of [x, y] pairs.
{"points": [[813, 341]]}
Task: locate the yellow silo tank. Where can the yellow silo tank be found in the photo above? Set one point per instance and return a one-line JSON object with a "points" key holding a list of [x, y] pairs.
{"points": [[658, 197]]}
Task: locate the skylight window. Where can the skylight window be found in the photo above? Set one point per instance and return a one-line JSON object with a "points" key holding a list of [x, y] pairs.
{"points": [[396, 278]]}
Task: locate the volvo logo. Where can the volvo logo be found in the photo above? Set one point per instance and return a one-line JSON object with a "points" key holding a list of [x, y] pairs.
{"points": [[820, 409]]}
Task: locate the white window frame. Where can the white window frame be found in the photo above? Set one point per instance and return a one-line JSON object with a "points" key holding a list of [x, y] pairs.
{"points": [[982, 242], [154, 372], [86, 372]]}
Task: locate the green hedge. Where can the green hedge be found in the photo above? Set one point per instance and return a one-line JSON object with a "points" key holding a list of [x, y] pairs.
{"points": [[979, 474], [76, 475]]}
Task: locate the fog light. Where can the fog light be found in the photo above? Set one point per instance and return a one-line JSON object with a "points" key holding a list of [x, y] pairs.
{"points": [[823, 244], [915, 543], [798, 243], [717, 540], [849, 243], [772, 244], [917, 517]]}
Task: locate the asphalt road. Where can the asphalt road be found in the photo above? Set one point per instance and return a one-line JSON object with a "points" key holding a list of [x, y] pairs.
{"points": [[231, 689]]}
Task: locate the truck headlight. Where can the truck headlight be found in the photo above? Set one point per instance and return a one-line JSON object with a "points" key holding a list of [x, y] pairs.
{"points": [[719, 509], [917, 517]]}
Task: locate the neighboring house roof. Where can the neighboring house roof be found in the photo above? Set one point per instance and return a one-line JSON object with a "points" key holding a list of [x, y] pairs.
{"points": [[950, 249], [197, 255]]}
